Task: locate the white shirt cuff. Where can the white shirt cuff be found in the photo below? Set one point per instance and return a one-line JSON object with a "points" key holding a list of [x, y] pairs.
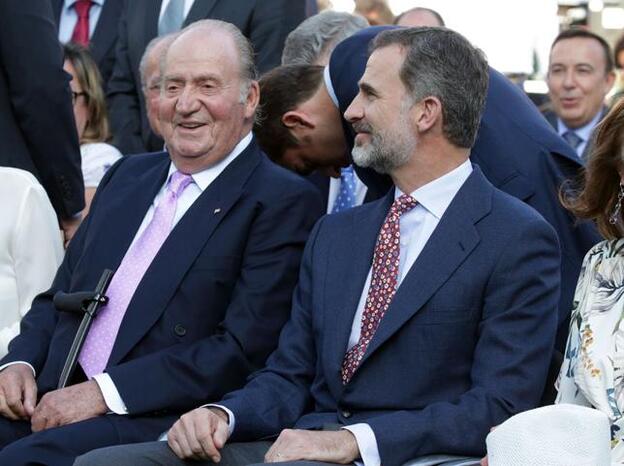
{"points": [[111, 395], [230, 414], [4, 366], [366, 442]]}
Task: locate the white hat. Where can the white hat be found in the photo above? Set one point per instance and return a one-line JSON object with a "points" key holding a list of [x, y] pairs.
{"points": [[557, 435]]}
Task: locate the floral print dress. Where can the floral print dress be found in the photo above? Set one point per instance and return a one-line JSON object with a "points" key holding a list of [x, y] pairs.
{"points": [[592, 373]]}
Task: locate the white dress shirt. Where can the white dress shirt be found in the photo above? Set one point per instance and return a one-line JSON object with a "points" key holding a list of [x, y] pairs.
{"points": [[31, 251], [201, 181], [69, 18], [584, 132], [416, 227]]}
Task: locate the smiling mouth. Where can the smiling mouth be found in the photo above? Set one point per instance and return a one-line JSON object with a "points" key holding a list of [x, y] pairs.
{"points": [[190, 125]]}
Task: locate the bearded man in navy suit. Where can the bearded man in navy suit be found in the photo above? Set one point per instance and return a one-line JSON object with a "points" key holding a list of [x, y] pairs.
{"points": [[194, 232], [517, 150], [421, 319]]}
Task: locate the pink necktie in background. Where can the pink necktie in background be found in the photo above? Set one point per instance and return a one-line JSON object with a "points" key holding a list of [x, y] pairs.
{"points": [[102, 334]]}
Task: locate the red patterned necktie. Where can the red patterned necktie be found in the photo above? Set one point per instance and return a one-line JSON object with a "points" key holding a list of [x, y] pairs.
{"points": [[81, 31], [383, 283]]}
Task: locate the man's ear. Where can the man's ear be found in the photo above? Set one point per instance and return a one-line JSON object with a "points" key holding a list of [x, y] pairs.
{"points": [[296, 120], [427, 113]]}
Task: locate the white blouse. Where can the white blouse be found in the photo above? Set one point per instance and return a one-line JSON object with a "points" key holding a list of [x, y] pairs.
{"points": [[31, 247]]}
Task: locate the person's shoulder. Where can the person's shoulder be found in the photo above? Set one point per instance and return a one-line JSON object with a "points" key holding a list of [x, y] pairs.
{"points": [[514, 214], [99, 149], [280, 179]]}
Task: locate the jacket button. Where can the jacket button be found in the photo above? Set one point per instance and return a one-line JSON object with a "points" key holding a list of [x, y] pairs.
{"points": [[179, 330], [346, 414]]}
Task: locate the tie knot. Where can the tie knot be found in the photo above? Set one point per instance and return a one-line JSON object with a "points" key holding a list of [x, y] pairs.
{"points": [[402, 204], [82, 7], [178, 182], [573, 139]]}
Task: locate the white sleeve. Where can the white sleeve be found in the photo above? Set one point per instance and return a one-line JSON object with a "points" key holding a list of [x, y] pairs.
{"points": [[367, 443], [97, 158], [4, 366], [111, 395]]}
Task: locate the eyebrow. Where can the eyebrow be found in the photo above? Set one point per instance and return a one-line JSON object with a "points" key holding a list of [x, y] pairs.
{"points": [[367, 88]]}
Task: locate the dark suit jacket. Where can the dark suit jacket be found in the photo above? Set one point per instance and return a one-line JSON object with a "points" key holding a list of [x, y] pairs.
{"points": [[212, 303], [37, 129], [265, 22], [552, 118], [517, 150], [468, 332], [104, 38]]}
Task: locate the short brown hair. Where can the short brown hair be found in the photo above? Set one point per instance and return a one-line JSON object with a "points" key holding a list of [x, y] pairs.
{"points": [[598, 197], [88, 75], [281, 90]]}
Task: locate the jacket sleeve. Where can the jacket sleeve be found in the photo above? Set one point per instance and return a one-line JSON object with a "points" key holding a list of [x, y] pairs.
{"points": [[32, 62]]}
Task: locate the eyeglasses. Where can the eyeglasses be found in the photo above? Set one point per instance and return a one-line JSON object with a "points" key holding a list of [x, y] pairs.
{"points": [[75, 96]]}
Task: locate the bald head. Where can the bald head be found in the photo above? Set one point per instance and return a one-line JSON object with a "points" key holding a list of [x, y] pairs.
{"points": [[417, 17]]}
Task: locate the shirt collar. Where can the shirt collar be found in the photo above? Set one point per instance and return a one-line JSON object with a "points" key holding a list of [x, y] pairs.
{"points": [[70, 3], [436, 195], [204, 178], [583, 132], [330, 87]]}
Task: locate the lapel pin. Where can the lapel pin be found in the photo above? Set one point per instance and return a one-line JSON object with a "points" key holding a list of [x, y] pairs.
{"points": [[216, 211]]}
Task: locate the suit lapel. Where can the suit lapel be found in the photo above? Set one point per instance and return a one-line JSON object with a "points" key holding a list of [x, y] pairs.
{"points": [[126, 217], [180, 250], [354, 252], [452, 241], [57, 8], [199, 10], [147, 18], [105, 33]]}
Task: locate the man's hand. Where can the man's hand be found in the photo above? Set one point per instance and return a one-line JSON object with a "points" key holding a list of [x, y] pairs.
{"points": [[331, 447], [199, 434], [18, 392], [68, 405], [69, 227]]}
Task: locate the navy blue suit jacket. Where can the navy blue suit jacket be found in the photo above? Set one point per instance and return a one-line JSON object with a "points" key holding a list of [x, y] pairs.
{"points": [[463, 345], [211, 305], [516, 148], [37, 129]]}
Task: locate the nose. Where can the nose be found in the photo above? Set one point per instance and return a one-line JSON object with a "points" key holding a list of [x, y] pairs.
{"points": [[569, 79], [187, 102], [355, 111]]}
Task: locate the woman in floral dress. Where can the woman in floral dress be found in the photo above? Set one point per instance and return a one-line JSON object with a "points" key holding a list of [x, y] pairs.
{"points": [[592, 373]]}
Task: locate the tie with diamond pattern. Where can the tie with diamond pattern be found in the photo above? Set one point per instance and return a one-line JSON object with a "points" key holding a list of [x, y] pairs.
{"points": [[346, 196], [572, 139], [383, 283], [102, 334], [81, 30]]}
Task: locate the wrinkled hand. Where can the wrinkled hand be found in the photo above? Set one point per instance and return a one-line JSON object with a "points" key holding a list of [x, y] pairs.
{"points": [[68, 405], [69, 227], [199, 434], [18, 392], [331, 447]]}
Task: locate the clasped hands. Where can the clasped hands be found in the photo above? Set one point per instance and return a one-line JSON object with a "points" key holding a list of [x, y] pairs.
{"points": [[201, 433], [18, 400]]}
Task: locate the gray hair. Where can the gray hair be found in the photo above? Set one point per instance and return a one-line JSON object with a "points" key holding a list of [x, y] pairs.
{"points": [[442, 63], [165, 40], [248, 72], [318, 35]]}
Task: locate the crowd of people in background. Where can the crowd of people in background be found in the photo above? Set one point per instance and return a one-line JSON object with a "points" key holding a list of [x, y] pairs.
{"points": [[335, 238]]}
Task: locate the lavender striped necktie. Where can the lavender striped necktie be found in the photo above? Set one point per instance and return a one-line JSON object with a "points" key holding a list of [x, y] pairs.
{"points": [[102, 334]]}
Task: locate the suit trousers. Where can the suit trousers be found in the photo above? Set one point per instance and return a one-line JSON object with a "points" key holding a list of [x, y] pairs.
{"points": [[159, 453], [60, 446]]}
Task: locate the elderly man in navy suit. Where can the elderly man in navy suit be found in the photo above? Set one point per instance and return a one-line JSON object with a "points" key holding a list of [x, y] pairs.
{"points": [[203, 279], [421, 319], [517, 150]]}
